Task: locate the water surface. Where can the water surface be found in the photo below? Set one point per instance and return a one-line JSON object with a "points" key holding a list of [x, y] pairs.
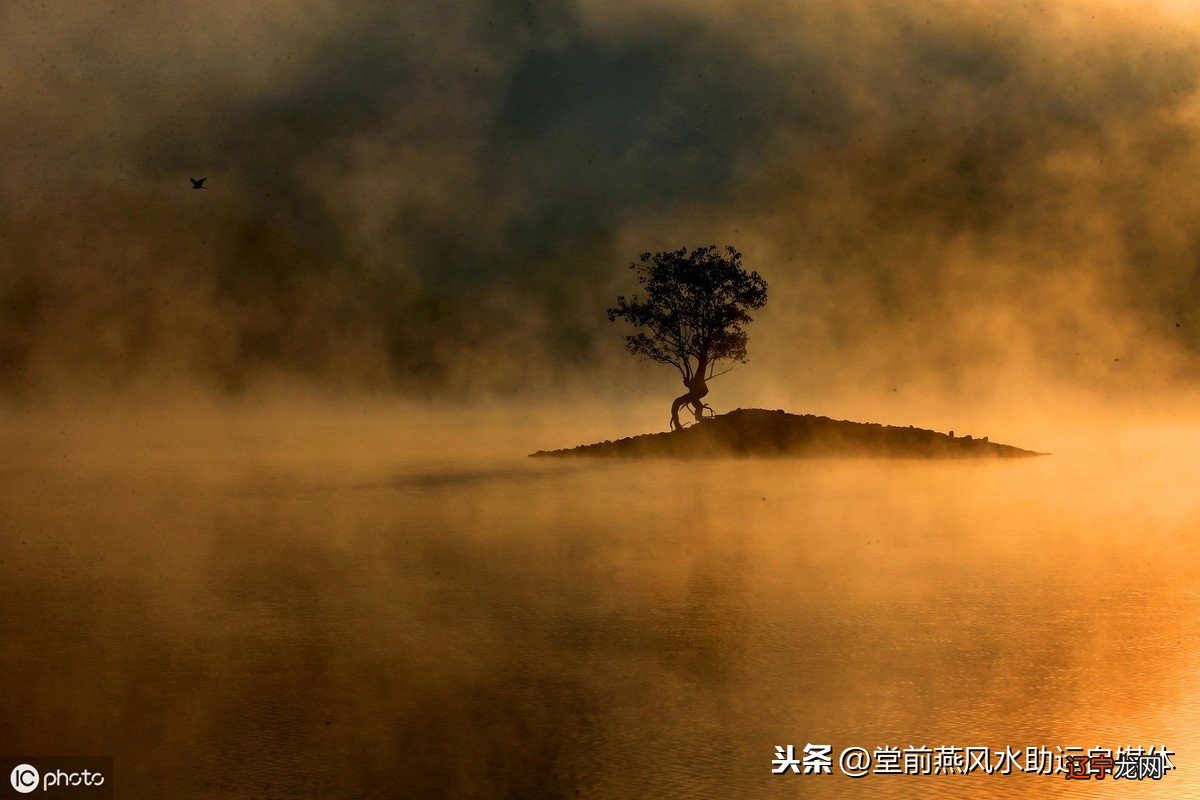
{"points": [[504, 627]]}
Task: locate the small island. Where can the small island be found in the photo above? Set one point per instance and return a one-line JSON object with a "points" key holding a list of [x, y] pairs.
{"points": [[690, 313], [758, 433]]}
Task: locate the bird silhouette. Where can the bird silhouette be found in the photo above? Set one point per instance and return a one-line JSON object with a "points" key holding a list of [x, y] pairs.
{"points": [[198, 183]]}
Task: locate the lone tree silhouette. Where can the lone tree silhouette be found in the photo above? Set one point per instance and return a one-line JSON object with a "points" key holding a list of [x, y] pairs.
{"points": [[692, 316]]}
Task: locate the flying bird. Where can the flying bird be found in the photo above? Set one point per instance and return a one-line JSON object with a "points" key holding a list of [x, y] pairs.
{"points": [[198, 183]]}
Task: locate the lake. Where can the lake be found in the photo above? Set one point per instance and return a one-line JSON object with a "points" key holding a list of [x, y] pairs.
{"points": [[498, 627]]}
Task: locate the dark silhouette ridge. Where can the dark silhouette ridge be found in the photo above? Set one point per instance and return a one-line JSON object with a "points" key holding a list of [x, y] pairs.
{"points": [[755, 432], [198, 183]]}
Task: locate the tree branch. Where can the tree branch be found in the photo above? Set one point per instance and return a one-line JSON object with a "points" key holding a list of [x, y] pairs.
{"points": [[712, 374]]}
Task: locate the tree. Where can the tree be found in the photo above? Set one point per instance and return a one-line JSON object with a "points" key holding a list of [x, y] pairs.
{"points": [[692, 316]]}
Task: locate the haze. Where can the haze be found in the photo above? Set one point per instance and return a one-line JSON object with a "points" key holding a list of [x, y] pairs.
{"points": [[950, 200], [264, 500]]}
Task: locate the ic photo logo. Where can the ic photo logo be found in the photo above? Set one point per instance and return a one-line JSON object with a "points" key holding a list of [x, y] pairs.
{"points": [[25, 778], [53, 777]]}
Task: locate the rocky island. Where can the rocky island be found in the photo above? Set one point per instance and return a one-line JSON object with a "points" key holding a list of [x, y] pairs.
{"points": [[755, 432]]}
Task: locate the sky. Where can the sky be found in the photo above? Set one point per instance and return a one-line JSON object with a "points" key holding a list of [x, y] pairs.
{"points": [[951, 200]]}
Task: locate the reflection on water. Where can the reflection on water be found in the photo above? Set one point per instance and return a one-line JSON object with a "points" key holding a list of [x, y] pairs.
{"points": [[607, 630]]}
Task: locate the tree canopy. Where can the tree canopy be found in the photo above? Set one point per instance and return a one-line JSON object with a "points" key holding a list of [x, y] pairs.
{"points": [[691, 313]]}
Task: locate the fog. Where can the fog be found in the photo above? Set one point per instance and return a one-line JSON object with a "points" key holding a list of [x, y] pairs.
{"points": [[267, 524], [952, 202]]}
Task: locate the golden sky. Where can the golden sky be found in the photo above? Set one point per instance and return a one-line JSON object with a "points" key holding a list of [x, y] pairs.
{"points": [[437, 198]]}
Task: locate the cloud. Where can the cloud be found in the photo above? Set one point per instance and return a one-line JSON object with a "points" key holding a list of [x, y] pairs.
{"points": [[440, 199]]}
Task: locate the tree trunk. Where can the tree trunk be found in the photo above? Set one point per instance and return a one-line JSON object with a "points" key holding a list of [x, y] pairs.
{"points": [[676, 404], [697, 391]]}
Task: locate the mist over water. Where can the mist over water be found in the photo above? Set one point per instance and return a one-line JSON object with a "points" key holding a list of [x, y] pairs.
{"points": [[320, 615], [267, 528]]}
